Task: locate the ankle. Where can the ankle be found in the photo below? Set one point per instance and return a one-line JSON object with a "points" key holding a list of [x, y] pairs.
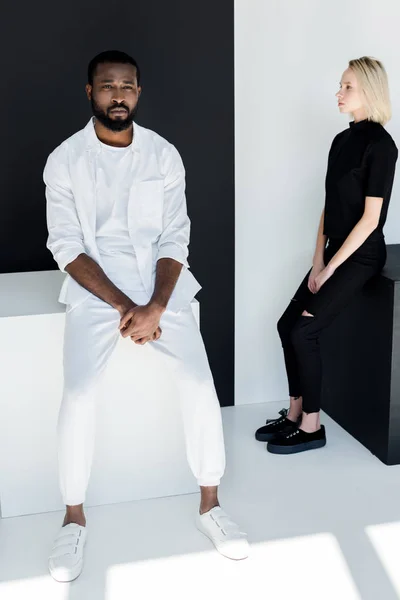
{"points": [[77, 520], [293, 415], [75, 516], [310, 422], [209, 498], [204, 508], [296, 407]]}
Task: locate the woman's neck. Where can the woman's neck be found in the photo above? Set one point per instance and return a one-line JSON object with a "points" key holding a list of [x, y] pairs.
{"points": [[360, 115]]}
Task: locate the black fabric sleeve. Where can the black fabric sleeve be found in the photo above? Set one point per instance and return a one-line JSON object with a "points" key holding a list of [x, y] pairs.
{"points": [[381, 164]]}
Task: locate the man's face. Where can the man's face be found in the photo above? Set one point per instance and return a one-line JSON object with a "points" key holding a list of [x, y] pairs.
{"points": [[114, 95]]}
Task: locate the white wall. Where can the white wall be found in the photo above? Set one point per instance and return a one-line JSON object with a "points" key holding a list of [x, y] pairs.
{"points": [[289, 58]]}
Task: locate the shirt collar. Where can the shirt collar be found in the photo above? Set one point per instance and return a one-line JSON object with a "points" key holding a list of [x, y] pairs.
{"points": [[361, 125], [93, 142]]}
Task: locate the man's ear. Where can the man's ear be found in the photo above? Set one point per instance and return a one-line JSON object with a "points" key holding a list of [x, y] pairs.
{"points": [[88, 89]]}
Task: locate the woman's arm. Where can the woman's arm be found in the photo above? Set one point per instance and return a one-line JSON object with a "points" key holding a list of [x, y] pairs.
{"points": [[365, 226], [318, 259]]}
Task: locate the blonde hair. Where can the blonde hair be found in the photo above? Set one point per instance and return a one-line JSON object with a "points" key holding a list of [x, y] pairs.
{"points": [[372, 77]]}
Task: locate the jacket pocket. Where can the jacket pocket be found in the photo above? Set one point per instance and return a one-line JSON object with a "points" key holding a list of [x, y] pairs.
{"points": [[146, 210], [151, 197]]}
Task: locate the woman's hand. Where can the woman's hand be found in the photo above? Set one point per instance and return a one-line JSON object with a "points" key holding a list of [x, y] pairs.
{"points": [[323, 277], [315, 271]]}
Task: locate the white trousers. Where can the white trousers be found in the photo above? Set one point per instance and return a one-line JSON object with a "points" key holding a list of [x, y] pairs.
{"points": [[91, 334]]}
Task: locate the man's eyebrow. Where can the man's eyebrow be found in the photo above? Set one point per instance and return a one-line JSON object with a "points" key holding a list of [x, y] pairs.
{"points": [[112, 81]]}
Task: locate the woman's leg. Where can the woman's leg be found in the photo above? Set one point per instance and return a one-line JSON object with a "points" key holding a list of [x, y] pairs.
{"points": [[286, 325], [287, 421], [318, 313]]}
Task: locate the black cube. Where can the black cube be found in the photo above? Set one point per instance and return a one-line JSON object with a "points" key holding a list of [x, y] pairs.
{"points": [[361, 364]]}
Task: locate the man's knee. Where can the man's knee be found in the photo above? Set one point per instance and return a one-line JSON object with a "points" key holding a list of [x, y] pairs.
{"points": [[80, 388]]}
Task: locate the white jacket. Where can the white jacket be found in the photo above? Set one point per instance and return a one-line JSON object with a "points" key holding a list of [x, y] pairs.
{"points": [[159, 226]]}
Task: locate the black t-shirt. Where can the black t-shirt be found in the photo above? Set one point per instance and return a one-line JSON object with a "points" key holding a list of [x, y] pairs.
{"points": [[361, 163]]}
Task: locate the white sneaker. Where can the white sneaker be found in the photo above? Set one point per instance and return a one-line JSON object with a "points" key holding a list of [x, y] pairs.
{"points": [[66, 558], [224, 533]]}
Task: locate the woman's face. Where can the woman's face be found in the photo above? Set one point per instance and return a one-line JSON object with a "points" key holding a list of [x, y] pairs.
{"points": [[349, 96]]}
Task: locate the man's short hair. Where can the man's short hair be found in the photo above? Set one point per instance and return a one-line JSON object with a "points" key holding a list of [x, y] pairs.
{"points": [[111, 56]]}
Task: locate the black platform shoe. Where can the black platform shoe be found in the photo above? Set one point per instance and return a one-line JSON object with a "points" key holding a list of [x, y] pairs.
{"points": [[274, 427], [297, 441]]}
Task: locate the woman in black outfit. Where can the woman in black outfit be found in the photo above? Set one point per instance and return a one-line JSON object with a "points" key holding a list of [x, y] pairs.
{"points": [[350, 249]]}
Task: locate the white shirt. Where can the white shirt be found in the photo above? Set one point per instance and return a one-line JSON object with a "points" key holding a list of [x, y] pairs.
{"points": [[113, 183], [159, 226]]}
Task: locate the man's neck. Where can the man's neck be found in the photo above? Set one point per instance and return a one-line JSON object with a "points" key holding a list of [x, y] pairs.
{"points": [[119, 139]]}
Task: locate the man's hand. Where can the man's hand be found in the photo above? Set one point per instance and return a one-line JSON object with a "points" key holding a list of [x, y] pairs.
{"points": [[156, 336], [141, 323]]}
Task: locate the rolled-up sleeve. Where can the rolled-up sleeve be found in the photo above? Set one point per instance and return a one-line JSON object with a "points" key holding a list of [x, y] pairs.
{"points": [[174, 240], [65, 239]]}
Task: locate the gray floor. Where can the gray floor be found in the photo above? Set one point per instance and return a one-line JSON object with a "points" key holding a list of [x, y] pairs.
{"points": [[326, 523]]}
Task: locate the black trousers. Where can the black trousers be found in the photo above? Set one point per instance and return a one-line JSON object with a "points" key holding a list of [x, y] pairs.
{"points": [[300, 336]]}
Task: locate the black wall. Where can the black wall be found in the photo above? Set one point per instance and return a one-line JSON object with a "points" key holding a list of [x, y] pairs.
{"points": [[185, 51]]}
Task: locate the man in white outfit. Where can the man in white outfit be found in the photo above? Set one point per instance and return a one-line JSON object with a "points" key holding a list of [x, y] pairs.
{"points": [[118, 226]]}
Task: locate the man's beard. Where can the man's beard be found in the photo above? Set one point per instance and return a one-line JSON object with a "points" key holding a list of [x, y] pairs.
{"points": [[113, 124]]}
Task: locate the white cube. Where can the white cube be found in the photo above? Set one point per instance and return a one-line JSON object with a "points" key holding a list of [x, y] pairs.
{"points": [[140, 450]]}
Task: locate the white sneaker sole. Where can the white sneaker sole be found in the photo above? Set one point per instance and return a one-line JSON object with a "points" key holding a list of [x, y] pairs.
{"points": [[234, 549], [66, 576]]}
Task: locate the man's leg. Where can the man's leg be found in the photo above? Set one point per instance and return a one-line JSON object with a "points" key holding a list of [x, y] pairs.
{"points": [[182, 347], [91, 333]]}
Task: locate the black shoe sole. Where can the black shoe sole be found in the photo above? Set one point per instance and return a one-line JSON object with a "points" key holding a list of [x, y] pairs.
{"points": [[274, 449]]}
